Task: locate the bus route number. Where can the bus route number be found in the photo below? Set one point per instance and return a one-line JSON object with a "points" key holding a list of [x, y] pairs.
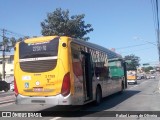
{"points": [[39, 48]]}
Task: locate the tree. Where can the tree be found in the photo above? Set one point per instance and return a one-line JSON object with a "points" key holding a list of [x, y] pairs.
{"points": [[13, 41], [134, 62], [10, 42], [147, 69], [5, 41], [22, 38], [60, 23]]}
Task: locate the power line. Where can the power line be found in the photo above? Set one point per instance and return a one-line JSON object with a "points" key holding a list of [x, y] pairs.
{"points": [[17, 34], [13, 33], [136, 50], [4, 37], [132, 46]]}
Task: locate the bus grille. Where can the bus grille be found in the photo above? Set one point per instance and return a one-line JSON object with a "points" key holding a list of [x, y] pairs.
{"points": [[38, 66]]}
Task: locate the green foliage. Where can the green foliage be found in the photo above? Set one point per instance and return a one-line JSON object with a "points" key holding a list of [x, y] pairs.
{"points": [[10, 42], [13, 41], [147, 69], [145, 64], [22, 38], [134, 62], [60, 23], [5, 40]]}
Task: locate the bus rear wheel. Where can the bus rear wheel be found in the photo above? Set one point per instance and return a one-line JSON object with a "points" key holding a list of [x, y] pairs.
{"points": [[122, 88], [98, 96]]}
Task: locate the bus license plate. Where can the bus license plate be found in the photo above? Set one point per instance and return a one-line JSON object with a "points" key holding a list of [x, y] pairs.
{"points": [[37, 89]]}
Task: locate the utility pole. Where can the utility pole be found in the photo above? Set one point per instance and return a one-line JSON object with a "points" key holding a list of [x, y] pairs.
{"points": [[4, 47], [158, 45], [3, 55], [158, 37]]}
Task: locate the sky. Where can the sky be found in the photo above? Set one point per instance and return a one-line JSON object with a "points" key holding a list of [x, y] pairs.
{"points": [[126, 25]]}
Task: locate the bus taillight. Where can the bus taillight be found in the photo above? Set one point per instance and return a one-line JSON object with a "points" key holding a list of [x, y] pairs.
{"points": [[66, 85], [15, 87]]}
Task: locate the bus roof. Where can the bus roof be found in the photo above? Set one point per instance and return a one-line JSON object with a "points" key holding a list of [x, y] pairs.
{"points": [[110, 54]]}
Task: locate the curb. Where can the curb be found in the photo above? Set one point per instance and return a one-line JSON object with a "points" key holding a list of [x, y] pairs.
{"points": [[9, 101], [159, 85]]}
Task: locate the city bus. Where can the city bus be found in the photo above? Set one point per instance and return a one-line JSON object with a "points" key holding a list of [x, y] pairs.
{"points": [[64, 71], [132, 76]]}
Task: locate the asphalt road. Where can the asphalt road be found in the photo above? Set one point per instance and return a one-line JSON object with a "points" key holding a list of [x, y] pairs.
{"points": [[143, 97]]}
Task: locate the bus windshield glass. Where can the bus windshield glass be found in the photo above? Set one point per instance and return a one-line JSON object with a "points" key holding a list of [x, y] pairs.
{"points": [[38, 49]]}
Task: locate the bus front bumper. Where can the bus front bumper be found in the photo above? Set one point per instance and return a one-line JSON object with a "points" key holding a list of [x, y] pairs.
{"points": [[132, 81], [54, 100]]}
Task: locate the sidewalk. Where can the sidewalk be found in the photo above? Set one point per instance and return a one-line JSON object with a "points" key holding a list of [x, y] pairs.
{"points": [[158, 77]]}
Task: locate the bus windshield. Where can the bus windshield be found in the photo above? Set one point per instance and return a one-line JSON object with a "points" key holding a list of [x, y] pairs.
{"points": [[41, 49]]}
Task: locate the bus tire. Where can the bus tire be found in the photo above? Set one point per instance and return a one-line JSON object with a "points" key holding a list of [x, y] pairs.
{"points": [[98, 95], [122, 88]]}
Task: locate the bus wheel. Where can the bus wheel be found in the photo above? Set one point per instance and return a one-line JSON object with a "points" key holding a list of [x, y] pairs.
{"points": [[98, 96], [122, 88]]}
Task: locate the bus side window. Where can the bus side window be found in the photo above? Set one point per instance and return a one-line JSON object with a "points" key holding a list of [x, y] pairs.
{"points": [[97, 72], [106, 73], [76, 63], [92, 66]]}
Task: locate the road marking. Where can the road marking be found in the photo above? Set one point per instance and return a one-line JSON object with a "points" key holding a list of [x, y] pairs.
{"points": [[7, 101], [56, 118]]}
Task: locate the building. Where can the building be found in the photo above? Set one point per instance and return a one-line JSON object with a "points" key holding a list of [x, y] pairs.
{"points": [[9, 67]]}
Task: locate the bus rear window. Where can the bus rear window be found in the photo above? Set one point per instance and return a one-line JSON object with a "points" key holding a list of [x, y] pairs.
{"points": [[38, 57], [39, 49]]}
